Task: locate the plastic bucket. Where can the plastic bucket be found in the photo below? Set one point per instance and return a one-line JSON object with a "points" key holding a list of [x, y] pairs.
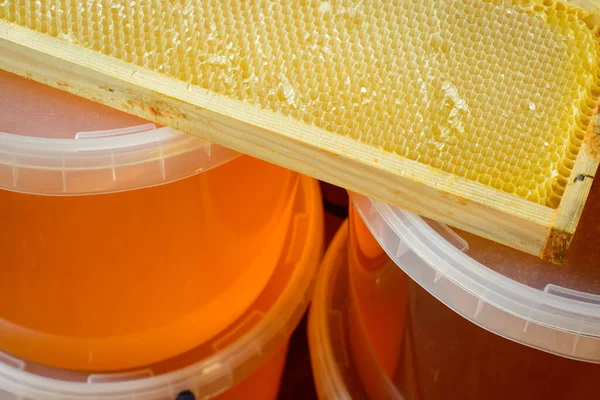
{"points": [[125, 247], [407, 308], [244, 361]]}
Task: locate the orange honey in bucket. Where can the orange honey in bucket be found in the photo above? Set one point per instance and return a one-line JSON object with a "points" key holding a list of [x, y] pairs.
{"points": [[117, 280]]}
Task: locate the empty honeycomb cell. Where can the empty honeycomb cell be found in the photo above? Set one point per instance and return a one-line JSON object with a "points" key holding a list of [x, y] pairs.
{"points": [[500, 92]]}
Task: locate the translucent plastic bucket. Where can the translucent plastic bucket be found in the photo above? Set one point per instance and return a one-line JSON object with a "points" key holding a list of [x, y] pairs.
{"points": [[125, 247], [244, 361], [376, 333]]}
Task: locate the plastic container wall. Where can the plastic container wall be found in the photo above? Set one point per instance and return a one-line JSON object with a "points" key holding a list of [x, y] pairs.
{"points": [[244, 361], [334, 373]]}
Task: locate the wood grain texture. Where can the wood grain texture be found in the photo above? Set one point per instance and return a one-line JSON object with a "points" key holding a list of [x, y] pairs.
{"points": [[569, 212], [342, 161]]}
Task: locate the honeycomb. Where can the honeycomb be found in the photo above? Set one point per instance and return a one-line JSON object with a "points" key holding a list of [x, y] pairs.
{"points": [[498, 92]]}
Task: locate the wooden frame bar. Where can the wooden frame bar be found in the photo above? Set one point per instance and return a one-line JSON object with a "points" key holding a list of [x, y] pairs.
{"points": [[342, 161]]}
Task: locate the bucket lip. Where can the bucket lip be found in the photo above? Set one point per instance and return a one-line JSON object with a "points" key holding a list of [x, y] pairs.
{"points": [[439, 265], [328, 379], [159, 155], [218, 372]]}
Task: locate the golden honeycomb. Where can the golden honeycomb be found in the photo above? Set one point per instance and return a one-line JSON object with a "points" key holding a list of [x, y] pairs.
{"points": [[499, 92]]}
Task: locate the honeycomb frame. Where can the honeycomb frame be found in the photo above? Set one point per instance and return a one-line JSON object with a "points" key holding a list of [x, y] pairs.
{"points": [[364, 166]]}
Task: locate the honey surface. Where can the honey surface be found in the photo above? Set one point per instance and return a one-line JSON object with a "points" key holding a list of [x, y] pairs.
{"points": [[499, 92]]}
